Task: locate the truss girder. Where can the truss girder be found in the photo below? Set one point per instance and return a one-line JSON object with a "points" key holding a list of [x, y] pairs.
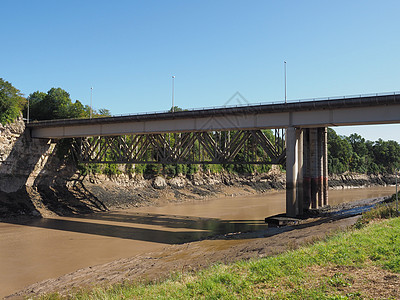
{"points": [[224, 147]]}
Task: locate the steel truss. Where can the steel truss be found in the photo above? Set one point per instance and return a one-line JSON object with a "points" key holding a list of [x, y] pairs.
{"points": [[219, 147]]}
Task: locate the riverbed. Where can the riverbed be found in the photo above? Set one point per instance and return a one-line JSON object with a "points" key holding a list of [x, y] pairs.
{"points": [[47, 248]]}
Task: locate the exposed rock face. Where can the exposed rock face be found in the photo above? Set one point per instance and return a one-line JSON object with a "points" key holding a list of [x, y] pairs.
{"points": [[21, 161], [21, 158], [350, 180], [159, 183], [178, 182]]}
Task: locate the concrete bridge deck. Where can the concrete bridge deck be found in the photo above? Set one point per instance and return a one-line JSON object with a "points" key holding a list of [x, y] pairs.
{"points": [[363, 110]]}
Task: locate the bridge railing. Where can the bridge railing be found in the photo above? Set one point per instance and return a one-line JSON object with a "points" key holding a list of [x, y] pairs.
{"points": [[280, 102], [267, 103]]}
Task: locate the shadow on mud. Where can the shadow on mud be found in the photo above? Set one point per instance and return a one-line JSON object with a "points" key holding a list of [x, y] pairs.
{"points": [[146, 227], [168, 229]]}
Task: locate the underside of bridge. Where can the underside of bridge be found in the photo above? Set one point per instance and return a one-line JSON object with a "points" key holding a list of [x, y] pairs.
{"points": [[302, 150]]}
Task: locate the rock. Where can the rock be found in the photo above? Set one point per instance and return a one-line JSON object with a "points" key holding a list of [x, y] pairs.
{"points": [[197, 179], [159, 183], [35, 213], [177, 182]]}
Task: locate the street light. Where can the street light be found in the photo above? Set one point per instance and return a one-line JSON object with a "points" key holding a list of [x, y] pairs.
{"points": [[285, 81], [91, 95], [27, 115], [173, 80]]}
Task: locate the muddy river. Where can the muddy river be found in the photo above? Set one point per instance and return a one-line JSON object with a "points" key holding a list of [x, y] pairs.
{"points": [[51, 247]]}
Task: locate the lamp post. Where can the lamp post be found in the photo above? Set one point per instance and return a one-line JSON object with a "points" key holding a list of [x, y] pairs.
{"points": [[173, 81], [91, 95], [284, 63], [27, 113]]}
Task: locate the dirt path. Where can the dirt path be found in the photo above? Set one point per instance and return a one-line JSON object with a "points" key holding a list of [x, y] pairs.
{"points": [[191, 256]]}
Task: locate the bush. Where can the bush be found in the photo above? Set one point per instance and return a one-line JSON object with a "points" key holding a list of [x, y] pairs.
{"points": [[385, 210]]}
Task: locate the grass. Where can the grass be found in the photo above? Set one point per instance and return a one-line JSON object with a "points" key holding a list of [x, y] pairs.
{"points": [[385, 210], [335, 268]]}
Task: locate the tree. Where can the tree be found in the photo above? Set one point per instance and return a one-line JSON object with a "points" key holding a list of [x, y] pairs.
{"points": [[176, 108], [37, 111], [11, 102], [355, 154], [56, 104], [103, 112], [358, 144], [339, 153], [360, 160], [386, 155]]}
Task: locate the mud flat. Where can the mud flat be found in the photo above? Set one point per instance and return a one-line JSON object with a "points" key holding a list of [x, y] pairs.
{"points": [[235, 245]]}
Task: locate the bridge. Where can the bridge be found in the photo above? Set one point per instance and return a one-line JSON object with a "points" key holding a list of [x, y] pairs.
{"points": [[218, 135]]}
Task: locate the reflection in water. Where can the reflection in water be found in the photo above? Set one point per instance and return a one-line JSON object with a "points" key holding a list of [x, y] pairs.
{"points": [[46, 248]]}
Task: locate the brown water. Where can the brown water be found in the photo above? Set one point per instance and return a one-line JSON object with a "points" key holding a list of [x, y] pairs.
{"points": [[47, 248]]}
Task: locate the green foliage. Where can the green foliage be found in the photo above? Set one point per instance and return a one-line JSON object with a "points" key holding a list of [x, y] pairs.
{"points": [[36, 101], [176, 108], [103, 112], [182, 169], [153, 169], [140, 168], [355, 154], [169, 170], [385, 210], [111, 169], [193, 169], [57, 104], [11, 102], [107, 169], [339, 152], [339, 280], [212, 168], [86, 169], [63, 148]]}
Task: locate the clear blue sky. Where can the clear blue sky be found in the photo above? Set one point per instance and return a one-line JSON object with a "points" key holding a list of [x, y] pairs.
{"points": [[128, 51]]}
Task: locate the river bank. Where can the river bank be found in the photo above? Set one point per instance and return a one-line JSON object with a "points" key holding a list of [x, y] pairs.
{"points": [[193, 256], [98, 239], [67, 193], [347, 265]]}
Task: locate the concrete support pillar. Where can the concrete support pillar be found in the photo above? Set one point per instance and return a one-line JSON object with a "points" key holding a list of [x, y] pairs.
{"points": [[315, 183], [292, 207], [320, 166], [325, 169], [313, 143], [300, 170], [306, 169]]}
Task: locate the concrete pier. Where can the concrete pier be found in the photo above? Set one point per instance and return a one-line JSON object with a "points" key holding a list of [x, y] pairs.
{"points": [[306, 169]]}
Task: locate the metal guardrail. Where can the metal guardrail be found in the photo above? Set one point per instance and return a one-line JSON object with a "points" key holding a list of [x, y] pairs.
{"points": [[266, 103], [307, 100]]}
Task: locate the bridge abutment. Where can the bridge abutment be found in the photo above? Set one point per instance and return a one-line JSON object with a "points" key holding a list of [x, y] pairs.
{"points": [[306, 169]]}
